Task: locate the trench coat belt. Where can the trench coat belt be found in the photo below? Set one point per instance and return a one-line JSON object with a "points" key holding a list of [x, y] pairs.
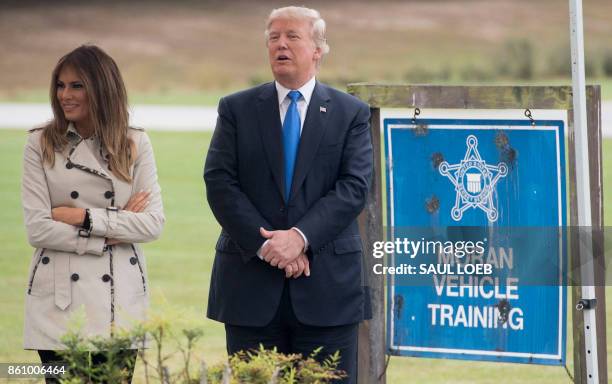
{"points": [[63, 291]]}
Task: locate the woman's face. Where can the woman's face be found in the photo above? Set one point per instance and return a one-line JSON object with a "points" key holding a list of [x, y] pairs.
{"points": [[72, 96]]}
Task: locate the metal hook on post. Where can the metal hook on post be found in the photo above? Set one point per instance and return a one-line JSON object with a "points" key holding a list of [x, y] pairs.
{"points": [[529, 116], [417, 112]]}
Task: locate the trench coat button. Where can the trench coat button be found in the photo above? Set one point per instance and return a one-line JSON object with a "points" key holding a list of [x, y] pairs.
{"points": [[45, 260], [74, 194], [74, 277], [106, 278], [108, 194], [69, 165], [133, 260]]}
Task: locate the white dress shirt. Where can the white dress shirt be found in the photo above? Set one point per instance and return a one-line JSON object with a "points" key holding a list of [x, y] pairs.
{"points": [[283, 101], [302, 105]]}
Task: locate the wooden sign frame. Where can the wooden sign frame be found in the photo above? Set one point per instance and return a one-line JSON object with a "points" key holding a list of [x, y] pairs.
{"points": [[372, 354]]}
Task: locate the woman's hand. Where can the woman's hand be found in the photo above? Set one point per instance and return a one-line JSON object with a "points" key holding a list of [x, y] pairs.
{"points": [[69, 215], [137, 203]]}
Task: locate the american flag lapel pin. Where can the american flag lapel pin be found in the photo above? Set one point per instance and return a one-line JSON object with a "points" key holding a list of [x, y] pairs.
{"points": [[322, 109]]}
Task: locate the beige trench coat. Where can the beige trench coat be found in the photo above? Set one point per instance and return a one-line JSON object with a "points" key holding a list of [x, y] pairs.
{"points": [[71, 272]]}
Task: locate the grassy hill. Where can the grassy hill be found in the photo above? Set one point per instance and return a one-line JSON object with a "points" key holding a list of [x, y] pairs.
{"points": [[191, 52]]}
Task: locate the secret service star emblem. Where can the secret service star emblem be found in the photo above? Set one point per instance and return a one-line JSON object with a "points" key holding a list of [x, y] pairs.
{"points": [[474, 182]]}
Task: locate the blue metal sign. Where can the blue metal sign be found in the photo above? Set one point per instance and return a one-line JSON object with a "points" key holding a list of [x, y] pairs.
{"points": [[476, 255]]}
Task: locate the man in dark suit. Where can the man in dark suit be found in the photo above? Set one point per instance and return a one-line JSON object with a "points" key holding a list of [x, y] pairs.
{"points": [[287, 174]]}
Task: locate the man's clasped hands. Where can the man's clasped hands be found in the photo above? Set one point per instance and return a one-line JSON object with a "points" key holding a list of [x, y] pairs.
{"points": [[285, 249]]}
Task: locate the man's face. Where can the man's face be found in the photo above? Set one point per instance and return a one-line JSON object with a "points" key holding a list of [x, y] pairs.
{"points": [[292, 52]]}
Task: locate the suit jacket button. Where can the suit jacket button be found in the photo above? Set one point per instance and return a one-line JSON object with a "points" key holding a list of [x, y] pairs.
{"points": [[74, 277], [282, 210], [108, 194], [45, 260], [106, 278], [69, 165], [133, 260], [74, 194]]}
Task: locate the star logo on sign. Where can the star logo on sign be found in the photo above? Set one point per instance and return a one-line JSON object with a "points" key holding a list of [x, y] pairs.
{"points": [[474, 181]]}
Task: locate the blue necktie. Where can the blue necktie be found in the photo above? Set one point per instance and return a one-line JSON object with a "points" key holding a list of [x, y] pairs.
{"points": [[291, 139]]}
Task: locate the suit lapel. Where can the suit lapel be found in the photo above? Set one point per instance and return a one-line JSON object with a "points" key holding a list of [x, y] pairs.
{"points": [[312, 132], [271, 132]]}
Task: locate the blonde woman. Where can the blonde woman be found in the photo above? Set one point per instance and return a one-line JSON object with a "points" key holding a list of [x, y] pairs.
{"points": [[89, 195]]}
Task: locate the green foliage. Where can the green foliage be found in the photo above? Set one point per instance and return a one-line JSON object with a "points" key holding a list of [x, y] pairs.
{"points": [[607, 64], [78, 357], [516, 59], [260, 366], [423, 74], [476, 72], [559, 62], [264, 366]]}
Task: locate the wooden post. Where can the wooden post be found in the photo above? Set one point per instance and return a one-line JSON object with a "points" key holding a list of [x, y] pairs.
{"points": [[371, 356], [596, 188]]}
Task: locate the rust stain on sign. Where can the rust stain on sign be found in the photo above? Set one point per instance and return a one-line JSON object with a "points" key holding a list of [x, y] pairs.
{"points": [[436, 159], [432, 204], [504, 310], [399, 305], [507, 153], [421, 130]]}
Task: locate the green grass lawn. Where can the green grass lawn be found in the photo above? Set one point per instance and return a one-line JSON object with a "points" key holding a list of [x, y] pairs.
{"points": [[180, 263]]}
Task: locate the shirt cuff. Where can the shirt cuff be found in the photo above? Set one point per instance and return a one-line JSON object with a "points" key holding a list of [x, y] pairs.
{"points": [[260, 248], [303, 237]]}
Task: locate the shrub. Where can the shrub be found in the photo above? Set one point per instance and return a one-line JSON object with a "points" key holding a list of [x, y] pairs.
{"points": [[422, 75], [559, 62], [260, 366], [264, 366], [516, 59], [474, 72], [607, 64], [78, 358]]}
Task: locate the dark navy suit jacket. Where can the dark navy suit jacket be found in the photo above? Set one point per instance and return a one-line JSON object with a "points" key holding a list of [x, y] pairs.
{"points": [[244, 185]]}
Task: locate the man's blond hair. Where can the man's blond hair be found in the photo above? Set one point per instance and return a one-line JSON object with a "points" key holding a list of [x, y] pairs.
{"points": [[317, 24]]}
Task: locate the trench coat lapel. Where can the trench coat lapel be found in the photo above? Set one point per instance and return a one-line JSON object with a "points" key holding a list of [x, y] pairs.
{"points": [[81, 157]]}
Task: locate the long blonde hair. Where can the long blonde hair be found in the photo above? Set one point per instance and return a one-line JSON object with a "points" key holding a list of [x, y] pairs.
{"points": [[108, 109]]}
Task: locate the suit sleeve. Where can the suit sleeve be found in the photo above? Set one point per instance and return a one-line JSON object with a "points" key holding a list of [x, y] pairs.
{"points": [[335, 211], [230, 205], [42, 230], [135, 227]]}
